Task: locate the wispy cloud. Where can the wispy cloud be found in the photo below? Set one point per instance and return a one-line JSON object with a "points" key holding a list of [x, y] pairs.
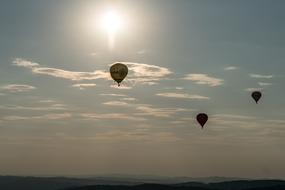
{"points": [[139, 72], [137, 135], [94, 53], [60, 73], [71, 75], [258, 76], [18, 88], [146, 73], [46, 108], [45, 117], [143, 51], [244, 121], [83, 86], [47, 101], [117, 116], [25, 63], [116, 103], [253, 89], [159, 112], [146, 70], [116, 95], [121, 87], [129, 99], [183, 95], [230, 68], [148, 110], [264, 84], [232, 116], [178, 122], [204, 79], [150, 83]]}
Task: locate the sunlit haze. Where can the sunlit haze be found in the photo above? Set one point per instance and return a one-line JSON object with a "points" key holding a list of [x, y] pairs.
{"points": [[62, 113]]}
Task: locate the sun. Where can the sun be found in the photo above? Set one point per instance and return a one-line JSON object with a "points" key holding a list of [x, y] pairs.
{"points": [[112, 22]]}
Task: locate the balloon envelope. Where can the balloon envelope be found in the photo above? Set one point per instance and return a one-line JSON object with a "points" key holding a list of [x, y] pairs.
{"points": [[256, 96], [118, 72], [202, 119]]}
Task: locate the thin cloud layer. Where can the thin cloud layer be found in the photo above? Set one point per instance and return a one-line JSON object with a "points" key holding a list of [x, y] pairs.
{"points": [[60, 73], [137, 136], [83, 86], [159, 112], [40, 117], [129, 99], [232, 116], [148, 110], [46, 108], [116, 95], [116, 116], [139, 72], [121, 87], [146, 73], [264, 84], [258, 76], [183, 96], [18, 88], [253, 89], [204, 79], [230, 68], [116, 103]]}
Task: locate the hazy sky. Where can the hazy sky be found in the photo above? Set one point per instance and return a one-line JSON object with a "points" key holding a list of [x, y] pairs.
{"points": [[61, 114]]}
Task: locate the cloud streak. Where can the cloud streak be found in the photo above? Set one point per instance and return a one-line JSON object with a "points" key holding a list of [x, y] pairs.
{"points": [[264, 84], [230, 68], [47, 108], [145, 73], [60, 73], [253, 89], [204, 79], [258, 76], [139, 72], [40, 117], [116, 103], [83, 86], [183, 96], [159, 112], [116, 116], [148, 110], [18, 88]]}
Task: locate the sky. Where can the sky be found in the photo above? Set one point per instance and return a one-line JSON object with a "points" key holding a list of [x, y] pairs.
{"points": [[62, 114]]}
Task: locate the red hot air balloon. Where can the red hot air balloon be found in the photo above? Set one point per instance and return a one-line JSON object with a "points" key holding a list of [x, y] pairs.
{"points": [[202, 118], [256, 95]]}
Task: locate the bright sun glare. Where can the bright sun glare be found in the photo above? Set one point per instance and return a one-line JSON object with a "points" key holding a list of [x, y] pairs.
{"points": [[112, 22]]}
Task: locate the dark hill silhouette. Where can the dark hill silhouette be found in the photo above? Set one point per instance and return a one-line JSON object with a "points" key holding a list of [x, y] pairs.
{"points": [[233, 185], [115, 183], [246, 184], [53, 183], [141, 187]]}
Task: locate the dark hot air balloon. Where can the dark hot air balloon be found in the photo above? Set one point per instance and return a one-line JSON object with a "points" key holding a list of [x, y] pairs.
{"points": [[256, 95], [118, 72], [202, 118]]}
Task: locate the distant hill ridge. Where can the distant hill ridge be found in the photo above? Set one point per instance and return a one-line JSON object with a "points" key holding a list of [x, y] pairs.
{"points": [[121, 183], [232, 185]]}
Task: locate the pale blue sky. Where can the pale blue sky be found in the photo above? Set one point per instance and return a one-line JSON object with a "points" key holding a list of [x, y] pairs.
{"points": [[61, 115]]}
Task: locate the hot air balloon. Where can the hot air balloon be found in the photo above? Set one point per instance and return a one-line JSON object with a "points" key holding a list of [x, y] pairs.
{"points": [[118, 72], [202, 118], [256, 95]]}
